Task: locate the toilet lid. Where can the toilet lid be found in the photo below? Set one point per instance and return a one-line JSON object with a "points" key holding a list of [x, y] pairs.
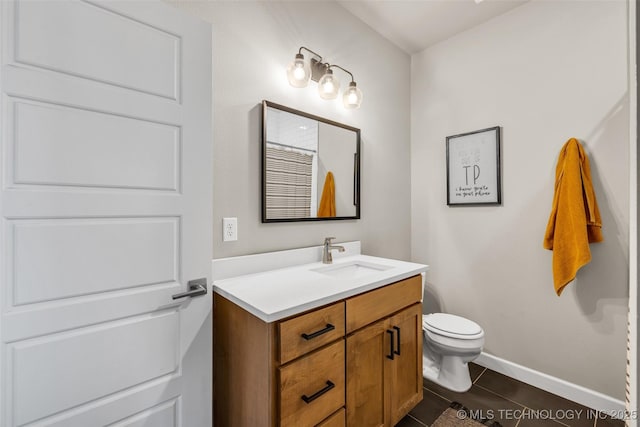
{"points": [[450, 324]]}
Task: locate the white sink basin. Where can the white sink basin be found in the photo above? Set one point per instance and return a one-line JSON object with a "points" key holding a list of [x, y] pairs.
{"points": [[351, 269]]}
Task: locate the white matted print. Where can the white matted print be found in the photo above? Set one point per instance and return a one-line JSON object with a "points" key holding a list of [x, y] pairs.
{"points": [[473, 168]]}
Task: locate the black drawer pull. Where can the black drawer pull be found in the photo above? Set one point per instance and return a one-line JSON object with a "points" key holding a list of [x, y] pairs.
{"points": [[391, 351], [397, 350], [326, 329], [317, 394]]}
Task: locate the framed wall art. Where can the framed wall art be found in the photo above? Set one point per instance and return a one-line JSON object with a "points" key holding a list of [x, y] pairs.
{"points": [[473, 168]]}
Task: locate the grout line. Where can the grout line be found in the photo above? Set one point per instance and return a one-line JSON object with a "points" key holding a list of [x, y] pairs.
{"points": [[417, 420], [439, 395], [501, 396], [478, 377], [525, 407], [561, 423], [553, 421]]}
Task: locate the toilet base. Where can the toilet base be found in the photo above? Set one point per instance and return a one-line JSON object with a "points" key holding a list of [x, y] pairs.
{"points": [[453, 373]]}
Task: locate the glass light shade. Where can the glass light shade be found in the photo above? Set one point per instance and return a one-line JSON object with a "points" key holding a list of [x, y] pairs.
{"points": [[299, 72], [328, 86], [352, 97]]}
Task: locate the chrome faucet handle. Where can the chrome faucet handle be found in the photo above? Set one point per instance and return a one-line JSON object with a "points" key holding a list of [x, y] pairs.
{"points": [[326, 251]]}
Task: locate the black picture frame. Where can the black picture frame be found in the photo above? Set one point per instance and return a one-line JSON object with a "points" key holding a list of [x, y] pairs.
{"points": [[473, 168]]}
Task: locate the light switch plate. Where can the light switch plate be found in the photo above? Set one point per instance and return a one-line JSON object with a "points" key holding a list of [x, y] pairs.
{"points": [[229, 229]]}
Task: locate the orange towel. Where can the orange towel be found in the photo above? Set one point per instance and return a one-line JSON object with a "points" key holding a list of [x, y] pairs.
{"points": [[575, 218], [328, 200]]}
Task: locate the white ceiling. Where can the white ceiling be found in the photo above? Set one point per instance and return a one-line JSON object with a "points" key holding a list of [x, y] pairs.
{"points": [[414, 25]]}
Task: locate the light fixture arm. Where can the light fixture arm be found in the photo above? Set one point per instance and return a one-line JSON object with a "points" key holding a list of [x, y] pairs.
{"points": [[310, 51], [343, 69]]}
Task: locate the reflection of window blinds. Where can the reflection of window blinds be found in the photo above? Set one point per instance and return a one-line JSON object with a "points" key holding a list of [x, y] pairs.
{"points": [[288, 181]]}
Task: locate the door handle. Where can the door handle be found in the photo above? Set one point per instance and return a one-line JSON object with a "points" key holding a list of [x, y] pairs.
{"points": [[197, 287], [317, 394], [391, 351], [328, 328], [397, 350]]}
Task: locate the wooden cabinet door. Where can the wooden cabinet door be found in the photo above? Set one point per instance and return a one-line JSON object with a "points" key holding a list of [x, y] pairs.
{"points": [[404, 374], [367, 397]]}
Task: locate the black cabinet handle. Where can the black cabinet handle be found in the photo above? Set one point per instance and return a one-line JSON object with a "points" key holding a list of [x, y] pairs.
{"points": [[391, 351], [397, 350], [317, 394], [326, 329]]}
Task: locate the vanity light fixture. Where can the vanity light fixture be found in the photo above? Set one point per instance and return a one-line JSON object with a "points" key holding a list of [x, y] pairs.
{"points": [[299, 72]]}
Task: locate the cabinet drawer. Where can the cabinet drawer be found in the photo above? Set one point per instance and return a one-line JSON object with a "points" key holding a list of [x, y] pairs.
{"points": [[309, 331], [367, 308], [336, 420], [312, 387]]}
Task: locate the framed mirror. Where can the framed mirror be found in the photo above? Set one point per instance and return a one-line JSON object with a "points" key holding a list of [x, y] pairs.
{"points": [[310, 167]]}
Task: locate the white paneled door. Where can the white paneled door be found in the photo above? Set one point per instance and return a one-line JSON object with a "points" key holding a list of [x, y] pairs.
{"points": [[106, 207]]}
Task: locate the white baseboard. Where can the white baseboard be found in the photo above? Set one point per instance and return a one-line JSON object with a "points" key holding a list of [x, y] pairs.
{"points": [[582, 395]]}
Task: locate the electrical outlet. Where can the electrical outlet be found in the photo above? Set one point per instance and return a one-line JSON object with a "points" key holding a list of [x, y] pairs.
{"points": [[229, 229]]}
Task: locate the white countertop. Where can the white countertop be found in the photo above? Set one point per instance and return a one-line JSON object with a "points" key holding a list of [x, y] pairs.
{"points": [[275, 294]]}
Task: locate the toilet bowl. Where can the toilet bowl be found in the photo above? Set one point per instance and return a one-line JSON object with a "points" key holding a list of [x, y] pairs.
{"points": [[450, 343]]}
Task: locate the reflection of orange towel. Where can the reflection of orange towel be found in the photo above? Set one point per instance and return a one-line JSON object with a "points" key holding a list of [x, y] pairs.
{"points": [[328, 199], [575, 218]]}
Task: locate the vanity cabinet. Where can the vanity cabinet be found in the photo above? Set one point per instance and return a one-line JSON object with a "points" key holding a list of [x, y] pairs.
{"points": [[384, 359], [328, 367]]}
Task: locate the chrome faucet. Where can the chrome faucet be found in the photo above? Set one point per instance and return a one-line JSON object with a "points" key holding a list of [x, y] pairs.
{"points": [[326, 251]]}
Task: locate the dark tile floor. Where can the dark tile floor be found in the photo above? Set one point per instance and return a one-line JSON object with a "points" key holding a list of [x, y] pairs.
{"points": [[510, 402]]}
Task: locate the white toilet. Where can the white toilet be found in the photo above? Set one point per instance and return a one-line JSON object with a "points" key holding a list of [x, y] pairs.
{"points": [[450, 343]]}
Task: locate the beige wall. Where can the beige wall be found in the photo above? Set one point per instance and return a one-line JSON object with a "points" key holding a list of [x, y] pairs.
{"points": [[545, 72], [253, 42]]}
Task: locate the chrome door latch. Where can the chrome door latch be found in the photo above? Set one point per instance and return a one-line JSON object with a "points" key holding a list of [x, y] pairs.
{"points": [[197, 287]]}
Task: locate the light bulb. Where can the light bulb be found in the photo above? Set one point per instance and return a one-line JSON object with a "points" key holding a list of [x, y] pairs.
{"points": [[352, 97], [328, 86], [299, 72]]}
